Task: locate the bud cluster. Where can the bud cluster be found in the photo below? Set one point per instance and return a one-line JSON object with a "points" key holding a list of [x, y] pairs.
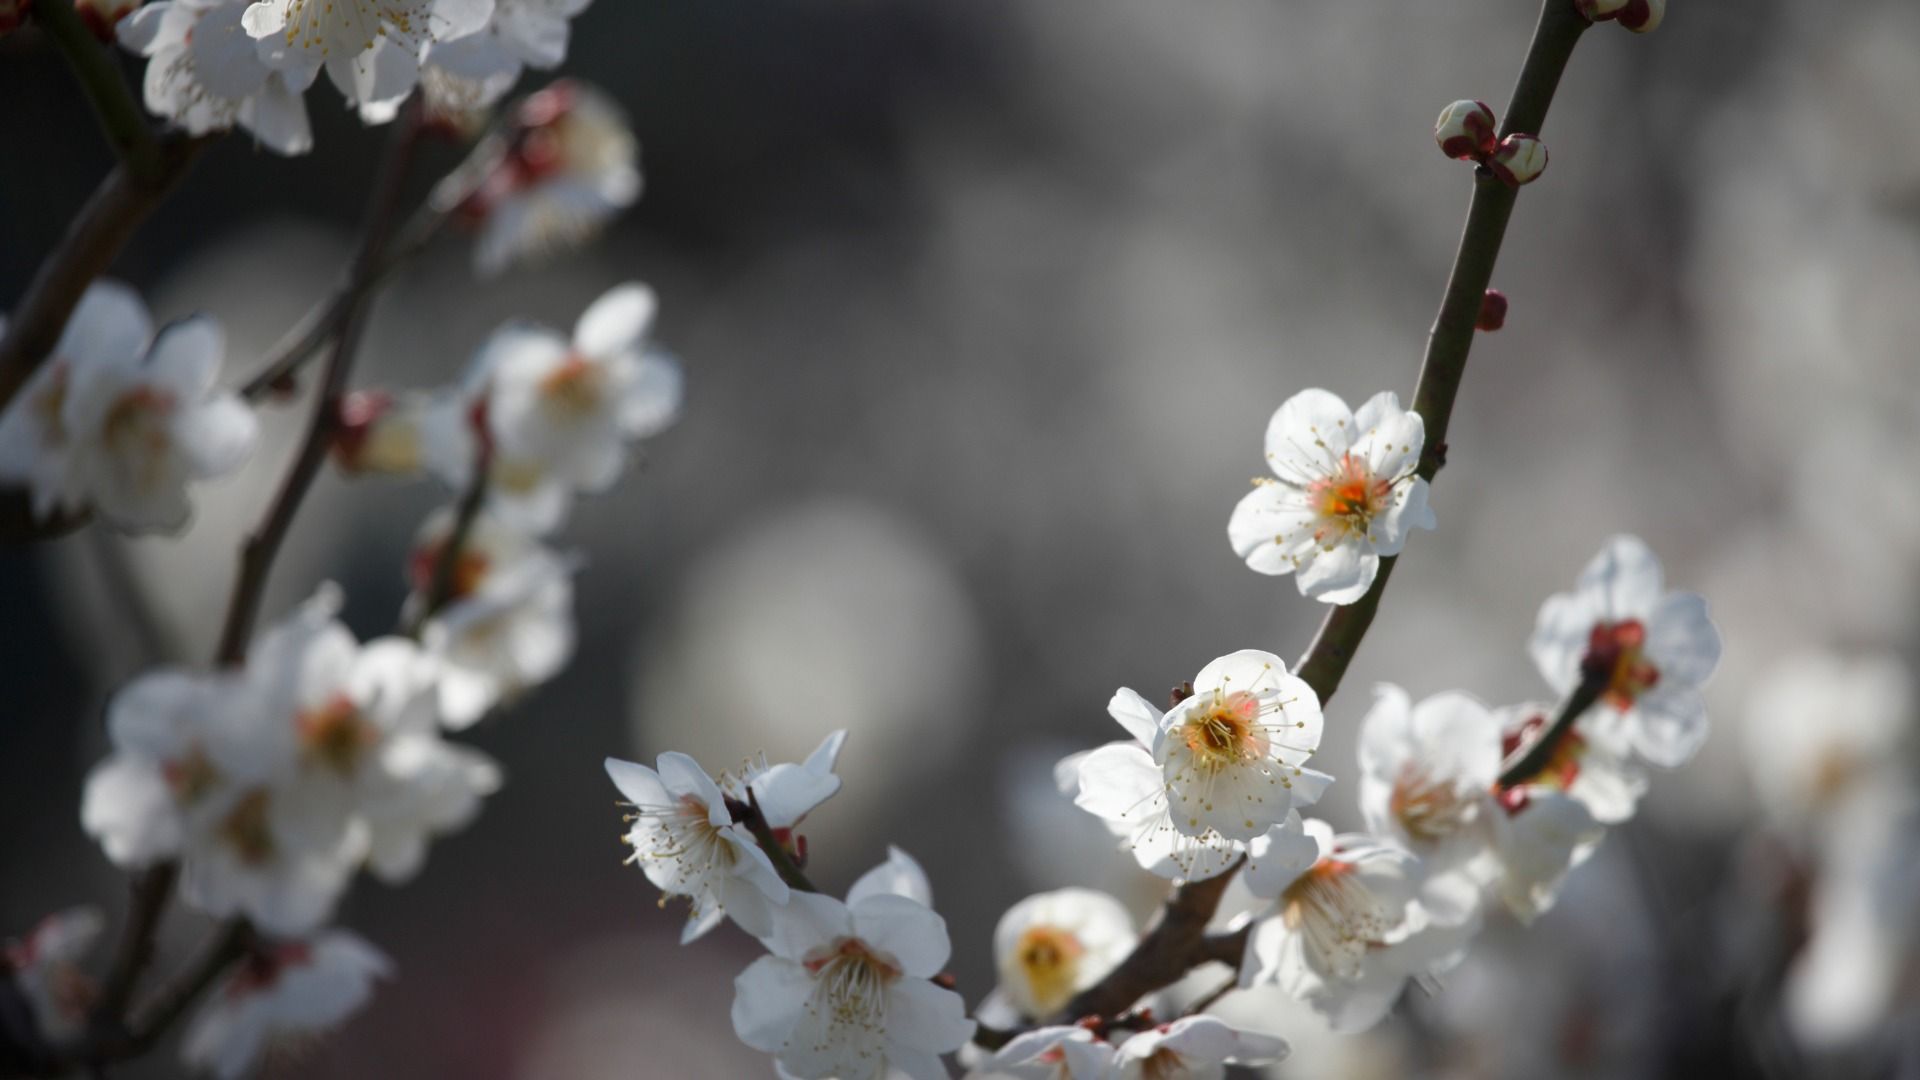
{"points": [[1467, 131]]}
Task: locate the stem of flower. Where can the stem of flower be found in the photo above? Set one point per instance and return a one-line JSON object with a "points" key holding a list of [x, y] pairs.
{"points": [[151, 891], [1178, 943], [446, 562], [1527, 762], [756, 823], [113, 103], [256, 558]]}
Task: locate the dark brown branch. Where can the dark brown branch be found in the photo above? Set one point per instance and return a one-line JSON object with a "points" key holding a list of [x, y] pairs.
{"points": [[748, 813], [1530, 760], [152, 890]]}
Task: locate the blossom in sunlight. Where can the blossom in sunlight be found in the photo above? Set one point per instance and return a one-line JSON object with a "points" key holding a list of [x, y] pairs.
{"points": [[371, 49], [1051, 946], [1344, 494], [1656, 649], [1347, 929], [45, 969], [507, 624], [551, 179], [1197, 782], [560, 412], [847, 992], [1069, 1052], [206, 74], [121, 419], [1820, 728], [280, 995], [1541, 829], [685, 840], [1192, 1048], [477, 70]]}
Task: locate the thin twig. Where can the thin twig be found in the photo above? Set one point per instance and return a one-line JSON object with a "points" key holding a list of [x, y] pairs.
{"points": [[1528, 761], [256, 558], [1178, 942], [151, 891], [120, 115], [443, 581]]}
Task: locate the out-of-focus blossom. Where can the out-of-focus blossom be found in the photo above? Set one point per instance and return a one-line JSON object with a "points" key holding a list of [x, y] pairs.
{"points": [[1248, 720], [1518, 160], [847, 991], [282, 994], [1347, 929], [1067, 1052], [558, 172], [507, 625], [45, 969], [1821, 727], [1427, 775], [477, 70], [1659, 648], [378, 432], [122, 419], [1345, 494], [560, 413], [1192, 1048], [206, 74], [1053, 945], [1540, 832], [1466, 130], [684, 839], [370, 49]]}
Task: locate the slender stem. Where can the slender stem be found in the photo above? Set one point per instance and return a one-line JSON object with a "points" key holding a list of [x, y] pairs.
{"points": [[1528, 761], [446, 562], [119, 114], [160, 1012], [783, 864], [1178, 942], [116, 209], [152, 889], [256, 558]]}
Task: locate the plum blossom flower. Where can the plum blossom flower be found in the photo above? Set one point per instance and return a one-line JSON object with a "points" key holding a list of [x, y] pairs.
{"points": [[1820, 728], [564, 166], [1346, 494], [1658, 649], [1541, 829], [205, 73], [371, 49], [559, 413], [1069, 1052], [507, 625], [1194, 783], [789, 791], [846, 992], [282, 993], [1192, 1048], [477, 70], [122, 419], [45, 969], [1347, 929], [685, 840], [1053, 945]]}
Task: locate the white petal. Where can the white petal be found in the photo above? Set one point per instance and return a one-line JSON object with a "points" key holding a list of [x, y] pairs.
{"points": [[900, 875], [1682, 642], [1339, 574], [617, 322], [1307, 435], [640, 785], [1672, 726], [1277, 858], [913, 933], [1134, 713], [926, 1017], [768, 1001], [1627, 576]]}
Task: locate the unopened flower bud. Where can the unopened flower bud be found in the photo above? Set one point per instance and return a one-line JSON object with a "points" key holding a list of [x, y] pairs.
{"points": [[1600, 10], [101, 15], [1465, 130], [1519, 160], [1493, 311], [377, 434], [1641, 16]]}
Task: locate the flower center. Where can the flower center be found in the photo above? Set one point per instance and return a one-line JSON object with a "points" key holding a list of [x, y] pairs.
{"points": [[190, 777], [1165, 1064], [335, 735], [1049, 957], [1227, 731], [1337, 916], [136, 429], [1430, 809], [575, 388], [247, 829], [1561, 770], [351, 26], [850, 982], [469, 569], [263, 967], [1621, 647], [1348, 498]]}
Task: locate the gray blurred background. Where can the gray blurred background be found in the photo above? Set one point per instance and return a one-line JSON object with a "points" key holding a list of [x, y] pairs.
{"points": [[984, 306]]}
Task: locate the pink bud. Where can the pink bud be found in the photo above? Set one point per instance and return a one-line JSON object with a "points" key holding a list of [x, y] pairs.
{"points": [[1642, 16], [1519, 160], [1465, 130], [1493, 311]]}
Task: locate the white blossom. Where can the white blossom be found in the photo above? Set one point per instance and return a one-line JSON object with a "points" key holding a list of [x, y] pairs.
{"points": [[1820, 727], [121, 419], [787, 792], [1658, 648], [1069, 1052], [45, 969], [1192, 1048], [560, 412], [685, 840], [507, 625], [476, 70], [551, 180], [1052, 945], [281, 994], [1347, 929], [847, 991], [1346, 494], [206, 74], [371, 49]]}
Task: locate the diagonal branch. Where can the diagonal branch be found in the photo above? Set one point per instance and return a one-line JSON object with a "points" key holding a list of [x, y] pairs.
{"points": [[119, 114]]}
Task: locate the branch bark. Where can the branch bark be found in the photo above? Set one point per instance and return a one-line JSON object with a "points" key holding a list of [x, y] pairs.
{"points": [[1178, 942], [113, 104]]}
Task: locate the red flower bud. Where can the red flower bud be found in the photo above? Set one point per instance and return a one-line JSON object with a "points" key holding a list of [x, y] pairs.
{"points": [[1493, 311]]}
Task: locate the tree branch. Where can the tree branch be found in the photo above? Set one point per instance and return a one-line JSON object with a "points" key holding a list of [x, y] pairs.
{"points": [[1528, 761], [151, 892], [1178, 942], [120, 116], [748, 813]]}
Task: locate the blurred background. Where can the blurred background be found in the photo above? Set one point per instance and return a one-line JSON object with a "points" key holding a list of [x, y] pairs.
{"points": [[984, 307]]}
